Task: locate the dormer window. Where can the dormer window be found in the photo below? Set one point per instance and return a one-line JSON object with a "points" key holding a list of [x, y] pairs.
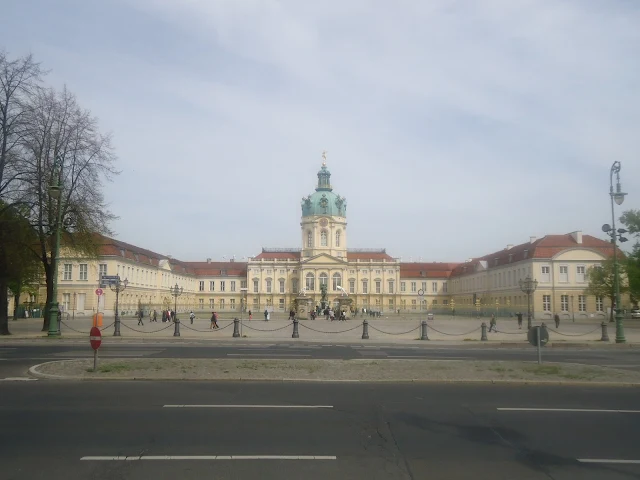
{"points": [[495, 262], [510, 257], [526, 254], [122, 252]]}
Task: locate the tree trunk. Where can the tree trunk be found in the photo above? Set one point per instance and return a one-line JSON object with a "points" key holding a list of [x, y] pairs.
{"points": [[611, 318], [4, 306], [16, 302], [49, 279]]}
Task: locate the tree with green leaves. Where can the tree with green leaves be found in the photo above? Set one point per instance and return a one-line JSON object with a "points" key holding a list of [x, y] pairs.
{"points": [[323, 295], [601, 281], [631, 220]]}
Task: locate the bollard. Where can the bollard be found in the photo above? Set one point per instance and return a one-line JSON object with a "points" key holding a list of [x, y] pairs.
{"points": [[365, 330], [483, 337], [236, 331], [176, 332], [424, 335], [605, 335], [295, 329]]}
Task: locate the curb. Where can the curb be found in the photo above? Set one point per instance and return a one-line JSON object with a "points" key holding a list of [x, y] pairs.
{"points": [[34, 371]]}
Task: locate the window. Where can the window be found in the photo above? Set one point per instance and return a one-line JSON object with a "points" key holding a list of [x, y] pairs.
{"points": [[444, 287], [564, 274], [294, 285], [423, 305], [212, 305], [337, 281], [424, 287], [391, 303], [281, 303], [365, 271], [377, 272], [352, 286], [378, 302], [103, 269], [310, 283], [378, 286], [403, 287], [83, 271], [222, 304], [323, 238], [201, 303], [281, 282], [445, 302], [268, 271], [222, 285], [243, 284], [526, 253], [564, 302], [546, 303], [232, 304], [404, 304], [545, 274], [212, 286], [414, 286], [309, 240], [281, 271], [365, 286], [352, 272], [324, 279], [268, 285], [413, 304], [255, 286], [434, 287], [67, 271], [338, 238], [233, 285], [580, 270], [582, 303], [66, 301], [599, 304], [390, 286], [202, 285]]}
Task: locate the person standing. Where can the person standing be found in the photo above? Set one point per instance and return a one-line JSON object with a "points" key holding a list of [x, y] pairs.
{"points": [[266, 315], [492, 324], [556, 318], [192, 316], [250, 315], [519, 315], [140, 315], [292, 314]]}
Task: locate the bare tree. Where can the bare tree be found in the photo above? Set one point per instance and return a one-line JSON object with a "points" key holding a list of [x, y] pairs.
{"points": [[63, 144], [19, 79]]}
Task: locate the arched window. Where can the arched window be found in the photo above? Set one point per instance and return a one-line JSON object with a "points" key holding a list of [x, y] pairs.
{"points": [[294, 285], [268, 285], [324, 279], [365, 286], [281, 281], [309, 239], [337, 281], [323, 238], [310, 282], [338, 238], [256, 283]]}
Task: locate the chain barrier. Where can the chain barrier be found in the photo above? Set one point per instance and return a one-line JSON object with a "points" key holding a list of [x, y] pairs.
{"points": [[108, 326], [575, 334], [142, 331], [429, 327], [207, 330], [71, 328], [507, 333], [391, 333], [321, 331], [260, 330]]}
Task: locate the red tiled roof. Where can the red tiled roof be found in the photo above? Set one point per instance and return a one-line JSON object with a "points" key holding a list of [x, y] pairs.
{"points": [[426, 270], [366, 256], [214, 269], [545, 247], [278, 256]]}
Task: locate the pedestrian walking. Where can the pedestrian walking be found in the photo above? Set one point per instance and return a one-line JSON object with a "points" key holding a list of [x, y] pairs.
{"points": [[192, 316], [519, 315], [140, 314], [214, 321], [492, 324], [556, 317], [266, 315], [292, 314], [250, 315]]}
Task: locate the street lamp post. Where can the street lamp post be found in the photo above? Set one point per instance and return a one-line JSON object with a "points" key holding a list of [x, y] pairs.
{"points": [[528, 286], [573, 311], [55, 192], [118, 286], [176, 292], [74, 305], [617, 196]]}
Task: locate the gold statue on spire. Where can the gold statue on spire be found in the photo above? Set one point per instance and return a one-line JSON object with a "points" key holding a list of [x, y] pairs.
{"points": [[324, 158]]}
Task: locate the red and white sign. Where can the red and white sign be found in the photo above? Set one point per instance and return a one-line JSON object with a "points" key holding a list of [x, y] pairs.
{"points": [[99, 291], [95, 337]]}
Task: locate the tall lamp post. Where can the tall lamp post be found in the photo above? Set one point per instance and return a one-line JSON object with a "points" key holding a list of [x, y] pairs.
{"points": [[617, 196], [55, 192], [528, 286], [176, 292], [118, 286]]}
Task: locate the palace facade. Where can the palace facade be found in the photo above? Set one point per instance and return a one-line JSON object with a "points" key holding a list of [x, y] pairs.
{"points": [[372, 278]]}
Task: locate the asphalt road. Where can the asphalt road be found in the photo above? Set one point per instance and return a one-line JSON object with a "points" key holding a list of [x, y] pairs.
{"points": [[361, 431], [16, 358]]}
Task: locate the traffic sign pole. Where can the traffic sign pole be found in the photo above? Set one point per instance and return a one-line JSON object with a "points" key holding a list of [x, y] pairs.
{"points": [[95, 339]]}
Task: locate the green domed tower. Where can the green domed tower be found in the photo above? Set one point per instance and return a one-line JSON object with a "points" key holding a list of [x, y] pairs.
{"points": [[324, 219]]}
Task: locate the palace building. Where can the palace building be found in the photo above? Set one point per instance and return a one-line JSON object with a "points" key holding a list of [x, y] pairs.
{"points": [[371, 278]]}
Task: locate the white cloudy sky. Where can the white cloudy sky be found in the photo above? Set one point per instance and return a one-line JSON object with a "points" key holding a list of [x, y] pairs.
{"points": [[452, 127]]}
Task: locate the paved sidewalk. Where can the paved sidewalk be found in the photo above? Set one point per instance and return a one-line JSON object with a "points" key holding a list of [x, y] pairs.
{"points": [[445, 330]]}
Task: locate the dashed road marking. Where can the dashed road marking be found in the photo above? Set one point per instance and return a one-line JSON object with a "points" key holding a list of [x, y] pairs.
{"points": [[574, 410], [17, 379], [607, 460], [247, 406], [209, 457]]}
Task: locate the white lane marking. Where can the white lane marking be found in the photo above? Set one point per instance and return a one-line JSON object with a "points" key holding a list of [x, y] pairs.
{"points": [[453, 359], [17, 379], [248, 406], [267, 354], [606, 460], [576, 410], [210, 457]]}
